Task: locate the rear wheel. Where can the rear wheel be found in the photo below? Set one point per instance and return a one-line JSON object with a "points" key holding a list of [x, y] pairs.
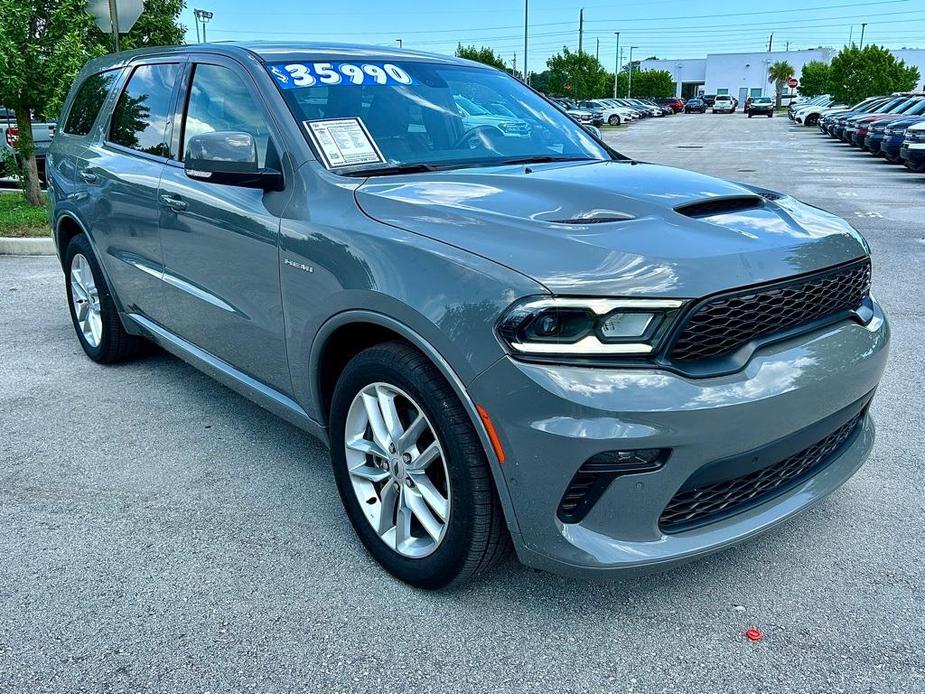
{"points": [[411, 470], [93, 311]]}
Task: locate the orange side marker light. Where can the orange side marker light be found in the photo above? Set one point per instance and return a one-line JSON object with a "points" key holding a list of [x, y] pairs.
{"points": [[492, 434]]}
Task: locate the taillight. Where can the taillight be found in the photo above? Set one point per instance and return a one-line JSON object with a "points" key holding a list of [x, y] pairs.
{"points": [[12, 136]]}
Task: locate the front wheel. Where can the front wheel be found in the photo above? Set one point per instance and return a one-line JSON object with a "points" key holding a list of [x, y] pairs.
{"points": [[614, 119], [411, 470]]}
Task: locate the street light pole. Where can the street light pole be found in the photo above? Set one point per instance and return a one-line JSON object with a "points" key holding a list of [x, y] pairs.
{"points": [[616, 65], [629, 79], [399, 42], [863, 27], [203, 16]]}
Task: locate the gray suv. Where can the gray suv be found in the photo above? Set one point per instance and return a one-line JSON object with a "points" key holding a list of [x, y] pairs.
{"points": [[506, 336]]}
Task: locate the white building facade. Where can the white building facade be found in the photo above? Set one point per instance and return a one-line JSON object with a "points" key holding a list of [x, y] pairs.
{"points": [[746, 74]]}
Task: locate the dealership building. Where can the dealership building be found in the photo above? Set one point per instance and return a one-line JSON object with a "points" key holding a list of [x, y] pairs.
{"points": [[746, 74]]}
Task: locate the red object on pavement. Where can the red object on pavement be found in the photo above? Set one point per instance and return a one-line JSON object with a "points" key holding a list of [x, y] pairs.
{"points": [[754, 634]]}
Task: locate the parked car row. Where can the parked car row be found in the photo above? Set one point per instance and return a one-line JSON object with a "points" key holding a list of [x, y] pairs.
{"points": [[892, 127], [616, 111]]}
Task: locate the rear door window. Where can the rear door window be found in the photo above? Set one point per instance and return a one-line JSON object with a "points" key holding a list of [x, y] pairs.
{"points": [[88, 102], [142, 115]]}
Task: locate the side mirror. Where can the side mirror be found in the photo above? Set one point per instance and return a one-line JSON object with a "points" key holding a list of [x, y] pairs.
{"points": [[228, 158], [594, 130]]}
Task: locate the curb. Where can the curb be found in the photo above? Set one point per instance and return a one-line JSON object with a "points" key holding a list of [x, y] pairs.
{"points": [[27, 246]]}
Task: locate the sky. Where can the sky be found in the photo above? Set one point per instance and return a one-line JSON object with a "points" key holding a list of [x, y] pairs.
{"points": [[668, 29]]}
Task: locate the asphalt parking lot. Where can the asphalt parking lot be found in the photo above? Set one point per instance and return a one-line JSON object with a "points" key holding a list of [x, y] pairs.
{"points": [[160, 533]]}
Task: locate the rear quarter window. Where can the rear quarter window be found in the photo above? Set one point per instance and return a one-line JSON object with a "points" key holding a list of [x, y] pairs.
{"points": [[88, 102]]}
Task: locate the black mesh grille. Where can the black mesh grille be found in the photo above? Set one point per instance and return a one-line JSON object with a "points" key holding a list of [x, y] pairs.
{"points": [[725, 323], [693, 507], [596, 473]]}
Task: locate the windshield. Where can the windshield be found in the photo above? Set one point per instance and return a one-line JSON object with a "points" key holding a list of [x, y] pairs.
{"points": [[426, 115], [761, 100]]}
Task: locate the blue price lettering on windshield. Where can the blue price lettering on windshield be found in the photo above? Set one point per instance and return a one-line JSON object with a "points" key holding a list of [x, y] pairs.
{"points": [[298, 75]]}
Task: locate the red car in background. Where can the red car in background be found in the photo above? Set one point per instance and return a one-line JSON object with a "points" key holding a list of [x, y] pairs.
{"points": [[674, 103]]}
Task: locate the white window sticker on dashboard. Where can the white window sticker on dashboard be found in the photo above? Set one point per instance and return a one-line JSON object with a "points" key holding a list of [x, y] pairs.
{"points": [[343, 142]]}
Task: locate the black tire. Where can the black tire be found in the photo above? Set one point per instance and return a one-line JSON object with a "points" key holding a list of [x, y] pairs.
{"points": [[749, 115], [115, 344], [614, 119], [770, 115], [476, 536]]}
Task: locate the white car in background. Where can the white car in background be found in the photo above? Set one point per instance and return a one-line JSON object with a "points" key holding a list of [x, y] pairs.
{"points": [[614, 114], [724, 104], [810, 115]]}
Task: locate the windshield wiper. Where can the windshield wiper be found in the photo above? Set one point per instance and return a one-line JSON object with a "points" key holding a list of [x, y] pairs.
{"points": [[392, 170], [538, 159]]}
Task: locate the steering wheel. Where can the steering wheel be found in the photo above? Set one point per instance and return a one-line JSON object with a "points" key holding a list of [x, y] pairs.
{"points": [[487, 133]]}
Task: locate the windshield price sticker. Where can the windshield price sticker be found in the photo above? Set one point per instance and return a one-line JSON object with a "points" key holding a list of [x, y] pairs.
{"points": [[299, 75], [343, 142]]}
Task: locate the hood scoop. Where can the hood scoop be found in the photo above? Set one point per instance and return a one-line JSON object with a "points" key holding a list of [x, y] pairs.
{"points": [[716, 206]]}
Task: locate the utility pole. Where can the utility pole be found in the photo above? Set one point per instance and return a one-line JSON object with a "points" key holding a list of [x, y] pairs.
{"points": [[621, 60], [851, 35], [788, 46], [526, 64], [616, 65], [770, 41], [198, 40], [399, 42], [863, 27], [597, 51], [515, 63], [581, 28], [629, 79]]}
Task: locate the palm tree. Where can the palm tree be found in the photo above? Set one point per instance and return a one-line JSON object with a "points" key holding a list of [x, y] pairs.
{"points": [[779, 73]]}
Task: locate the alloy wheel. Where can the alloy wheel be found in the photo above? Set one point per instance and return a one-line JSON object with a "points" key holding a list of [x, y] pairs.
{"points": [[397, 470], [86, 300]]}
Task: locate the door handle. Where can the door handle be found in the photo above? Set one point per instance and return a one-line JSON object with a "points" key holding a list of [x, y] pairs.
{"points": [[88, 177], [173, 202]]}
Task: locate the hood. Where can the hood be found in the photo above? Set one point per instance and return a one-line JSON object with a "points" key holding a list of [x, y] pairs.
{"points": [[615, 228]]}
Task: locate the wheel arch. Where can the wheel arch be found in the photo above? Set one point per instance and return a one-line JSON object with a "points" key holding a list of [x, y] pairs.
{"points": [[66, 227], [348, 333]]}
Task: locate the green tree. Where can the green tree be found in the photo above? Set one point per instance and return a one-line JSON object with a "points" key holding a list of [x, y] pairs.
{"points": [[540, 81], [483, 55], [814, 79], [653, 84], [43, 45], [578, 76], [856, 73], [779, 74]]}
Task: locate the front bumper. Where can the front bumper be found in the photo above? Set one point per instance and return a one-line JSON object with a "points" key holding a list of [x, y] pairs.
{"points": [[551, 419], [891, 147], [913, 153], [874, 142]]}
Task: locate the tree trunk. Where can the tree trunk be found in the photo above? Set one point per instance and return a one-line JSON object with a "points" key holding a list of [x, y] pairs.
{"points": [[26, 151]]}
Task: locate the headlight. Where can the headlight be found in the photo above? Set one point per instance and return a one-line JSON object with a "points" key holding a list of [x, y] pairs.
{"points": [[573, 327]]}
